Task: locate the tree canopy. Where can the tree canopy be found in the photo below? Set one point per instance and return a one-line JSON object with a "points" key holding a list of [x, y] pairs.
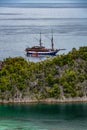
{"points": [[57, 77]]}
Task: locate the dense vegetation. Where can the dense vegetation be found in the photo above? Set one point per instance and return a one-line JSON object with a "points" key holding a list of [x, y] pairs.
{"points": [[62, 76]]}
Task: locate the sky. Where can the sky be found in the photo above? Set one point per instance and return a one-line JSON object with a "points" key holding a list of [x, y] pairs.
{"points": [[43, 1]]}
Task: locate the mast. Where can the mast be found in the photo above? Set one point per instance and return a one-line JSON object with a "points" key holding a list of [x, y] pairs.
{"points": [[40, 41], [52, 43]]}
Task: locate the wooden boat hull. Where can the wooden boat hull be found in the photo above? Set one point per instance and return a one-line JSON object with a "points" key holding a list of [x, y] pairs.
{"points": [[36, 54]]}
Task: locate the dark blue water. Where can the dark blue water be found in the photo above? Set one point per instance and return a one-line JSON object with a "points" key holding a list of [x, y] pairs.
{"points": [[43, 117], [44, 5], [20, 25]]}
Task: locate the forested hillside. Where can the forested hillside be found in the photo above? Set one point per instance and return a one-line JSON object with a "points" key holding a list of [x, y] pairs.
{"points": [[59, 77]]}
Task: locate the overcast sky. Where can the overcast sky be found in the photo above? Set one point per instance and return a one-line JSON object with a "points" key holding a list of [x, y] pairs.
{"points": [[43, 1]]}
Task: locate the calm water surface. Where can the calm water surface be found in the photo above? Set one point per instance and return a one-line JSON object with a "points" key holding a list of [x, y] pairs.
{"points": [[20, 25], [43, 117]]}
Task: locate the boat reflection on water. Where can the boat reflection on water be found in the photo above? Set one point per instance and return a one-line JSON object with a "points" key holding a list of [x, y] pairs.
{"points": [[34, 58]]}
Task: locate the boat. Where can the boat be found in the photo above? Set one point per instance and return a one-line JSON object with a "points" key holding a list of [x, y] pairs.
{"points": [[40, 50]]}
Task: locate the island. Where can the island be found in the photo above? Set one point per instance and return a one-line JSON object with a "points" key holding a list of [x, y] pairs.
{"points": [[62, 78]]}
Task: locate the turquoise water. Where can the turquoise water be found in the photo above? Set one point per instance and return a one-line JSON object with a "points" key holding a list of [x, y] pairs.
{"points": [[43, 117]]}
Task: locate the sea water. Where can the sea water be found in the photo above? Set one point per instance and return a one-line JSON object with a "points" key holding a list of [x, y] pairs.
{"points": [[21, 24], [43, 116]]}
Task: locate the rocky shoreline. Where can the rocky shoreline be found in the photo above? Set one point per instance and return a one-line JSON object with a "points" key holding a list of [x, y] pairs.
{"points": [[48, 100]]}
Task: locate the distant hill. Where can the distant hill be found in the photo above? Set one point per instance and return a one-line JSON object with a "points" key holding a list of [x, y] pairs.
{"points": [[61, 78]]}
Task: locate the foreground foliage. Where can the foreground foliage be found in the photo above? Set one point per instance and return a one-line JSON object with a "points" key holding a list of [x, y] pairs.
{"points": [[62, 76]]}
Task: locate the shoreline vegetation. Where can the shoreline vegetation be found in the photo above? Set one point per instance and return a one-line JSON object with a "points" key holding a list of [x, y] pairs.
{"points": [[59, 79]]}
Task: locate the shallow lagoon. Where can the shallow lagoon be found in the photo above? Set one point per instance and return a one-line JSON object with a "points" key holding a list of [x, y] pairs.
{"points": [[43, 116]]}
